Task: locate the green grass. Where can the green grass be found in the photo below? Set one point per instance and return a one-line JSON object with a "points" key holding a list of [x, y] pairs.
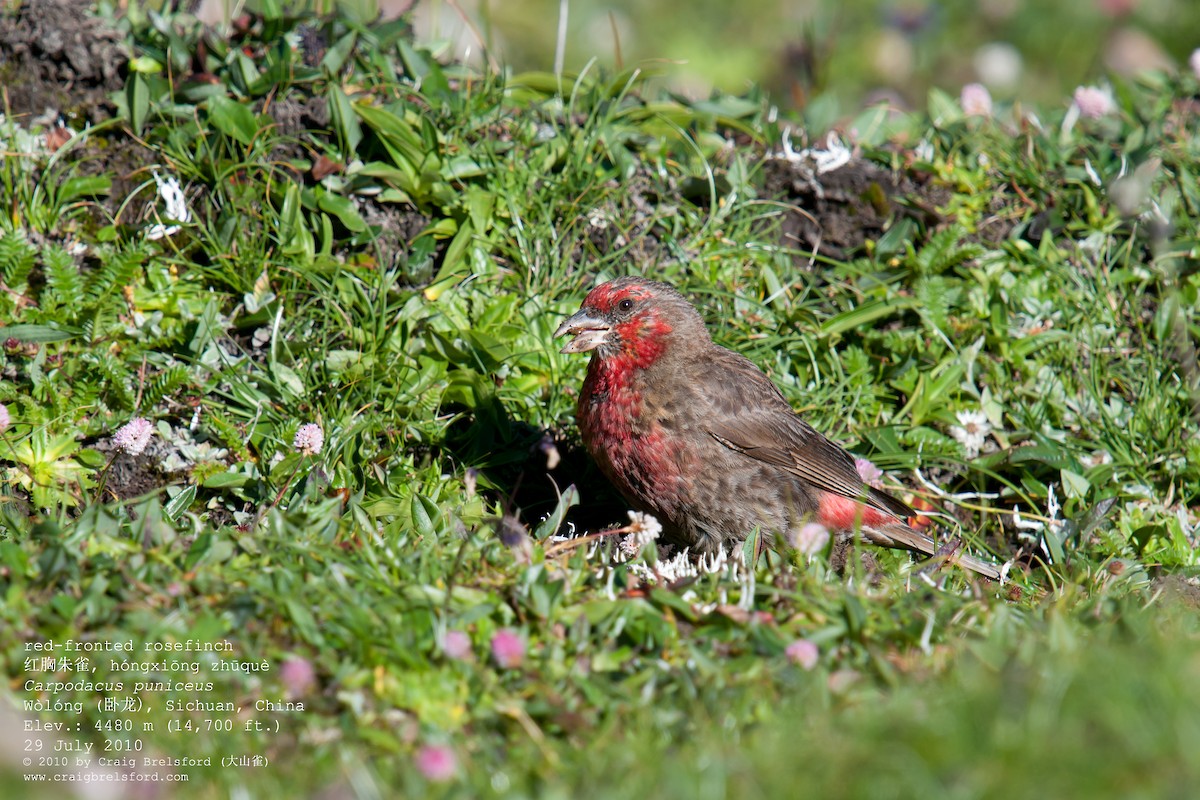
{"points": [[406, 303]]}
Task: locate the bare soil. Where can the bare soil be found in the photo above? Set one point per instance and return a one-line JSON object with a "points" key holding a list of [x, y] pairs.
{"points": [[55, 55], [836, 213]]}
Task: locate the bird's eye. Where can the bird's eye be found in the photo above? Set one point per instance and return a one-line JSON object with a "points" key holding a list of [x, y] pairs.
{"points": [[625, 304]]}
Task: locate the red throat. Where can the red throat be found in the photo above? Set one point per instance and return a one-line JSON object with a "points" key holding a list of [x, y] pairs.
{"points": [[643, 340]]}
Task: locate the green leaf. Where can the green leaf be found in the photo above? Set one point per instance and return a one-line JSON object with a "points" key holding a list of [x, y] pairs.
{"points": [[232, 119], [303, 619], [550, 525], [225, 480], [668, 599], [40, 334], [338, 52], [74, 188], [864, 315], [401, 141], [1074, 484], [180, 502], [1166, 319], [344, 210], [427, 71], [137, 101], [479, 207], [144, 64], [456, 252], [424, 511], [288, 379], [943, 108], [345, 121]]}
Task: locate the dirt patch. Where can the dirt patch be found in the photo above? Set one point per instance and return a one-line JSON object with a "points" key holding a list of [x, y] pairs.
{"points": [[1000, 221], [835, 213], [397, 226], [54, 54], [1180, 590], [58, 62], [299, 113], [625, 226]]}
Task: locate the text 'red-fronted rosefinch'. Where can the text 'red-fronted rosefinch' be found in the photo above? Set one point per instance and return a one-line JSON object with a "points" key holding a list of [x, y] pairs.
{"points": [[699, 437]]}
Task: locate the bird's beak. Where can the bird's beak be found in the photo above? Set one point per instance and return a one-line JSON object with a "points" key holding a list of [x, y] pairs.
{"points": [[589, 332]]}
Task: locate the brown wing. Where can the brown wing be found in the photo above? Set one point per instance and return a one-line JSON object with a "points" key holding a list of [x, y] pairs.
{"points": [[750, 416]]}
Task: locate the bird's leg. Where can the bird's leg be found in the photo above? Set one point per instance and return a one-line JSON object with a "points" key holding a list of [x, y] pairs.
{"points": [[843, 551], [839, 554]]}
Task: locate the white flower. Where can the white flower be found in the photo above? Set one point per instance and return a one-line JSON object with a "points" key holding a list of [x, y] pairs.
{"points": [[643, 529], [680, 566], [812, 160], [645, 526], [976, 100], [924, 150], [133, 436], [972, 430], [5, 419], [1194, 63], [172, 194], [309, 439]]}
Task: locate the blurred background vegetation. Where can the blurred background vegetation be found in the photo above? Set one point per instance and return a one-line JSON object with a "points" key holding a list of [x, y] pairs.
{"points": [[842, 53]]}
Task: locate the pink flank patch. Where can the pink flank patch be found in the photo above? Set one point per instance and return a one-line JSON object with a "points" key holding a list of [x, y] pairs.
{"points": [[844, 514]]}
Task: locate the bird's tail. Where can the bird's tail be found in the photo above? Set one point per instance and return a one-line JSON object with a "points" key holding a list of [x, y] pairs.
{"points": [[900, 535]]}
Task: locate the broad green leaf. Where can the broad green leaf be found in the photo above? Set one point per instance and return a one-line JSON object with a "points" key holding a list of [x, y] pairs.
{"points": [[401, 141], [74, 188], [455, 257], [232, 119], [864, 315], [344, 210], [137, 101], [40, 334], [424, 513], [180, 502], [551, 524], [225, 480], [345, 121]]}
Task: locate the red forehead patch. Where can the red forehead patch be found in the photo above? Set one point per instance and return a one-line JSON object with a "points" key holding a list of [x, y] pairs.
{"points": [[606, 296]]}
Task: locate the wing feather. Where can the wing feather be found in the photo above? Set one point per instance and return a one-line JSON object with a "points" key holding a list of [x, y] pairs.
{"points": [[753, 418]]}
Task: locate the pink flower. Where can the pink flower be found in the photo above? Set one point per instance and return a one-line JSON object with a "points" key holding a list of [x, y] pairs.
{"points": [[508, 648], [1094, 102], [5, 419], [803, 653], [870, 473], [436, 763], [309, 439], [133, 436], [456, 645], [812, 538], [1194, 63], [976, 100], [298, 676]]}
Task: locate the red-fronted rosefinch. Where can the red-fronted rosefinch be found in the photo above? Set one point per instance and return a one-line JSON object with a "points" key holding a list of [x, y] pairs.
{"points": [[699, 437]]}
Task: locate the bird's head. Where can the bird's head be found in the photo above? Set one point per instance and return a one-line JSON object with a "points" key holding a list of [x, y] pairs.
{"points": [[632, 318]]}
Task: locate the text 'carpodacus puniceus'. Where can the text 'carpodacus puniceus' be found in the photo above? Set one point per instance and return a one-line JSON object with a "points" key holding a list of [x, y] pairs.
{"points": [[699, 437]]}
